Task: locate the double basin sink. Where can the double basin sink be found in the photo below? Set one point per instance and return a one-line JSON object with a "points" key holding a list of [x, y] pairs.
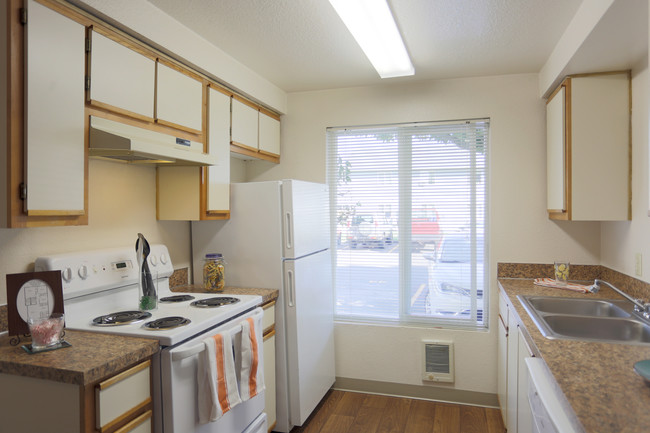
{"points": [[601, 320]]}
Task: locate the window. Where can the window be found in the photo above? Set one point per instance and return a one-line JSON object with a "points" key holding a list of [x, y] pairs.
{"points": [[408, 222]]}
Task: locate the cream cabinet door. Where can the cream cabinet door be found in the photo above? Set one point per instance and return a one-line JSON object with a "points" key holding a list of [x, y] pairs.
{"points": [[218, 177], [502, 357], [524, 416], [244, 125], [55, 150], [512, 388], [179, 99], [269, 141], [121, 78], [555, 152]]}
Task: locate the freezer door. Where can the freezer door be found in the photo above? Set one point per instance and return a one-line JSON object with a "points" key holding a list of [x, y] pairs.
{"points": [[305, 218], [309, 305]]}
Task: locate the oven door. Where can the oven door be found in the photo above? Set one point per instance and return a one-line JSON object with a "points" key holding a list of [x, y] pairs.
{"points": [[179, 391]]}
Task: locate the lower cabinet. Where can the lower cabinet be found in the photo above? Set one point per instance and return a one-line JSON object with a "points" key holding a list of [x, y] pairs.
{"points": [[512, 385], [524, 417], [269, 363], [117, 404]]}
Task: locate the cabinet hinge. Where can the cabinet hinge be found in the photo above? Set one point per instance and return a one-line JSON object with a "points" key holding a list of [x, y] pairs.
{"points": [[23, 16], [22, 191], [87, 82], [88, 45]]}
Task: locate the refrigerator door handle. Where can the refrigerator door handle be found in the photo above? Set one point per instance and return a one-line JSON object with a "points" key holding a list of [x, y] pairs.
{"points": [[288, 231], [290, 288]]}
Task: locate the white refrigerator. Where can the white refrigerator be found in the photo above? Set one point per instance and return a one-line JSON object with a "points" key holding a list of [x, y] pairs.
{"points": [[278, 237]]}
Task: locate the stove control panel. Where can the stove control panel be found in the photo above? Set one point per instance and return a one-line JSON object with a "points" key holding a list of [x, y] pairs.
{"points": [[93, 271]]}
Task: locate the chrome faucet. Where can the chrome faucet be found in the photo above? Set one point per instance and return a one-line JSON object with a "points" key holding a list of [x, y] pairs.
{"points": [[640, 306]]}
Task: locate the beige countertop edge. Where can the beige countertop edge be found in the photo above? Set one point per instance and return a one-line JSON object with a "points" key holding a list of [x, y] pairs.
{"points": [[597, 379], [91, 357]]}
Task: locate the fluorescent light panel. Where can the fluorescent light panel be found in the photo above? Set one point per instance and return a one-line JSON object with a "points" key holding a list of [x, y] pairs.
{"points": [[374, 28]]}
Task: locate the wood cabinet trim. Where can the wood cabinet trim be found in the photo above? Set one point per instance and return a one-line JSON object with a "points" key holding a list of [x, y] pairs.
{"points": [[245, 150], [179, 127], [146, 404], [268, 334], [123, 375], [136, 422], [122, 39], [178, 68], [246, 101], [269, 113]]}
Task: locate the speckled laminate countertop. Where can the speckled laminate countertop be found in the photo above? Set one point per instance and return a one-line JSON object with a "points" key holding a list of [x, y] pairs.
{"points": [[597, 379], [91, 357], [94, 356], [266, 294]]}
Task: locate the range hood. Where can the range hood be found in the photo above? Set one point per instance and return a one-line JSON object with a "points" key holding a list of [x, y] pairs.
{"points": [[126, 143]]}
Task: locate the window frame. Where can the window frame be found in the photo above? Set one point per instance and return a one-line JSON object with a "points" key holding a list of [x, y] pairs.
{"points": [[404, 226]]}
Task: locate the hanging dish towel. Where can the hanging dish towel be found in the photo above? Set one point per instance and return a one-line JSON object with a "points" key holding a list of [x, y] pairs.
{"points": [[217, 379], [549, 282], [252, 373]]}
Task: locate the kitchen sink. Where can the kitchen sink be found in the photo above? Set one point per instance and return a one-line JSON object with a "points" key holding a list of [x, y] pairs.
{"points": [[581, 307], [601, 320]]}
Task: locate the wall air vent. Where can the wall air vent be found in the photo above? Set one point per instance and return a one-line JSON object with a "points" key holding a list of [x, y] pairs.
{"points": [[438, 361]]}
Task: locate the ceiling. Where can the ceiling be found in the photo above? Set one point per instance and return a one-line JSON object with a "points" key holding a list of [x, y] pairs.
{"points": [[301, 45]]}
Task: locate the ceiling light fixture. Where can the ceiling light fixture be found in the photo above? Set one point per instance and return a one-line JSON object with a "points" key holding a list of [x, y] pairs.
{"points": [[374, 28]]}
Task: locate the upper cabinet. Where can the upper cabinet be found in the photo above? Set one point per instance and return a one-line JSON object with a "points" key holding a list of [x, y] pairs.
{"points": [[588, 148], [255, 131], [54, 152], [269, 130], [120, 79], [192, 194], [245, 118], [179, 99]]}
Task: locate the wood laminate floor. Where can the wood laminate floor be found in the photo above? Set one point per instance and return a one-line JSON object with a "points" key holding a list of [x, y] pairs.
{"points": [[351, 412]]}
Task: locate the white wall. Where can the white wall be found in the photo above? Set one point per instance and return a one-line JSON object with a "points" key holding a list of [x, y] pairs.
{"points": [[620, 241], [121, 203], [519, 228]]}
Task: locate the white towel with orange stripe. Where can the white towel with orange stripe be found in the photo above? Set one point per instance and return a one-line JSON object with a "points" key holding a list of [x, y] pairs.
{"points": [[252, 373], [217, 378]]}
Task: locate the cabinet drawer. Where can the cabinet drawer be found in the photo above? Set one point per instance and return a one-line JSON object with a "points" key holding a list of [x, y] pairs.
{"points": [[121, 396], [269, 317], [141, 424]]}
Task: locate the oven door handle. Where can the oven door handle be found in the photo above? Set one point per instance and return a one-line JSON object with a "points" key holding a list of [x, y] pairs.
{"points": [[198, 348]]}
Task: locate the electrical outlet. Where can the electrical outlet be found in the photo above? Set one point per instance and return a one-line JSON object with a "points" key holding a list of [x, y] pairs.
{"points": [[638, 264]]}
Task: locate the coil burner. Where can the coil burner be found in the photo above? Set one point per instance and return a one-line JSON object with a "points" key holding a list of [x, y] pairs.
{"points": [[121, 318], [214, 302], [177, 298], [167, 323]]}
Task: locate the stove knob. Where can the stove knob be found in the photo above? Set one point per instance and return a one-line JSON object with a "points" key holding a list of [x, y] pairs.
{"points": [[153, 260], [66, 274], [83, 272], [163, 258]]}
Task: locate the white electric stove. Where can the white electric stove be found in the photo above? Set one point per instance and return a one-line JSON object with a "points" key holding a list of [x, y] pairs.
{"points": [[100, 292]]}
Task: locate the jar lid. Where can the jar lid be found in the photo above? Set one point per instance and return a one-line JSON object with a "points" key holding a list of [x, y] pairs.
{"points": [[213, 256]]}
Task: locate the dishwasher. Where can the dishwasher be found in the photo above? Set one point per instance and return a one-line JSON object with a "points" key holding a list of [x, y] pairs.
{"points": [[547, 405]]}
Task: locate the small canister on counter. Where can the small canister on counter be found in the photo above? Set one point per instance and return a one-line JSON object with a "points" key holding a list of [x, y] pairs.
{"points": [[214, 272]]}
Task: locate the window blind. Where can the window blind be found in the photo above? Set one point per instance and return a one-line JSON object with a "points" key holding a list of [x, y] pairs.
{"points": [[408, 206]]}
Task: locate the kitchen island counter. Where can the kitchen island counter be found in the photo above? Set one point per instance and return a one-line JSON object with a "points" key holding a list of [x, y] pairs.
{"points": [[597, 379], [91, 357]]}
